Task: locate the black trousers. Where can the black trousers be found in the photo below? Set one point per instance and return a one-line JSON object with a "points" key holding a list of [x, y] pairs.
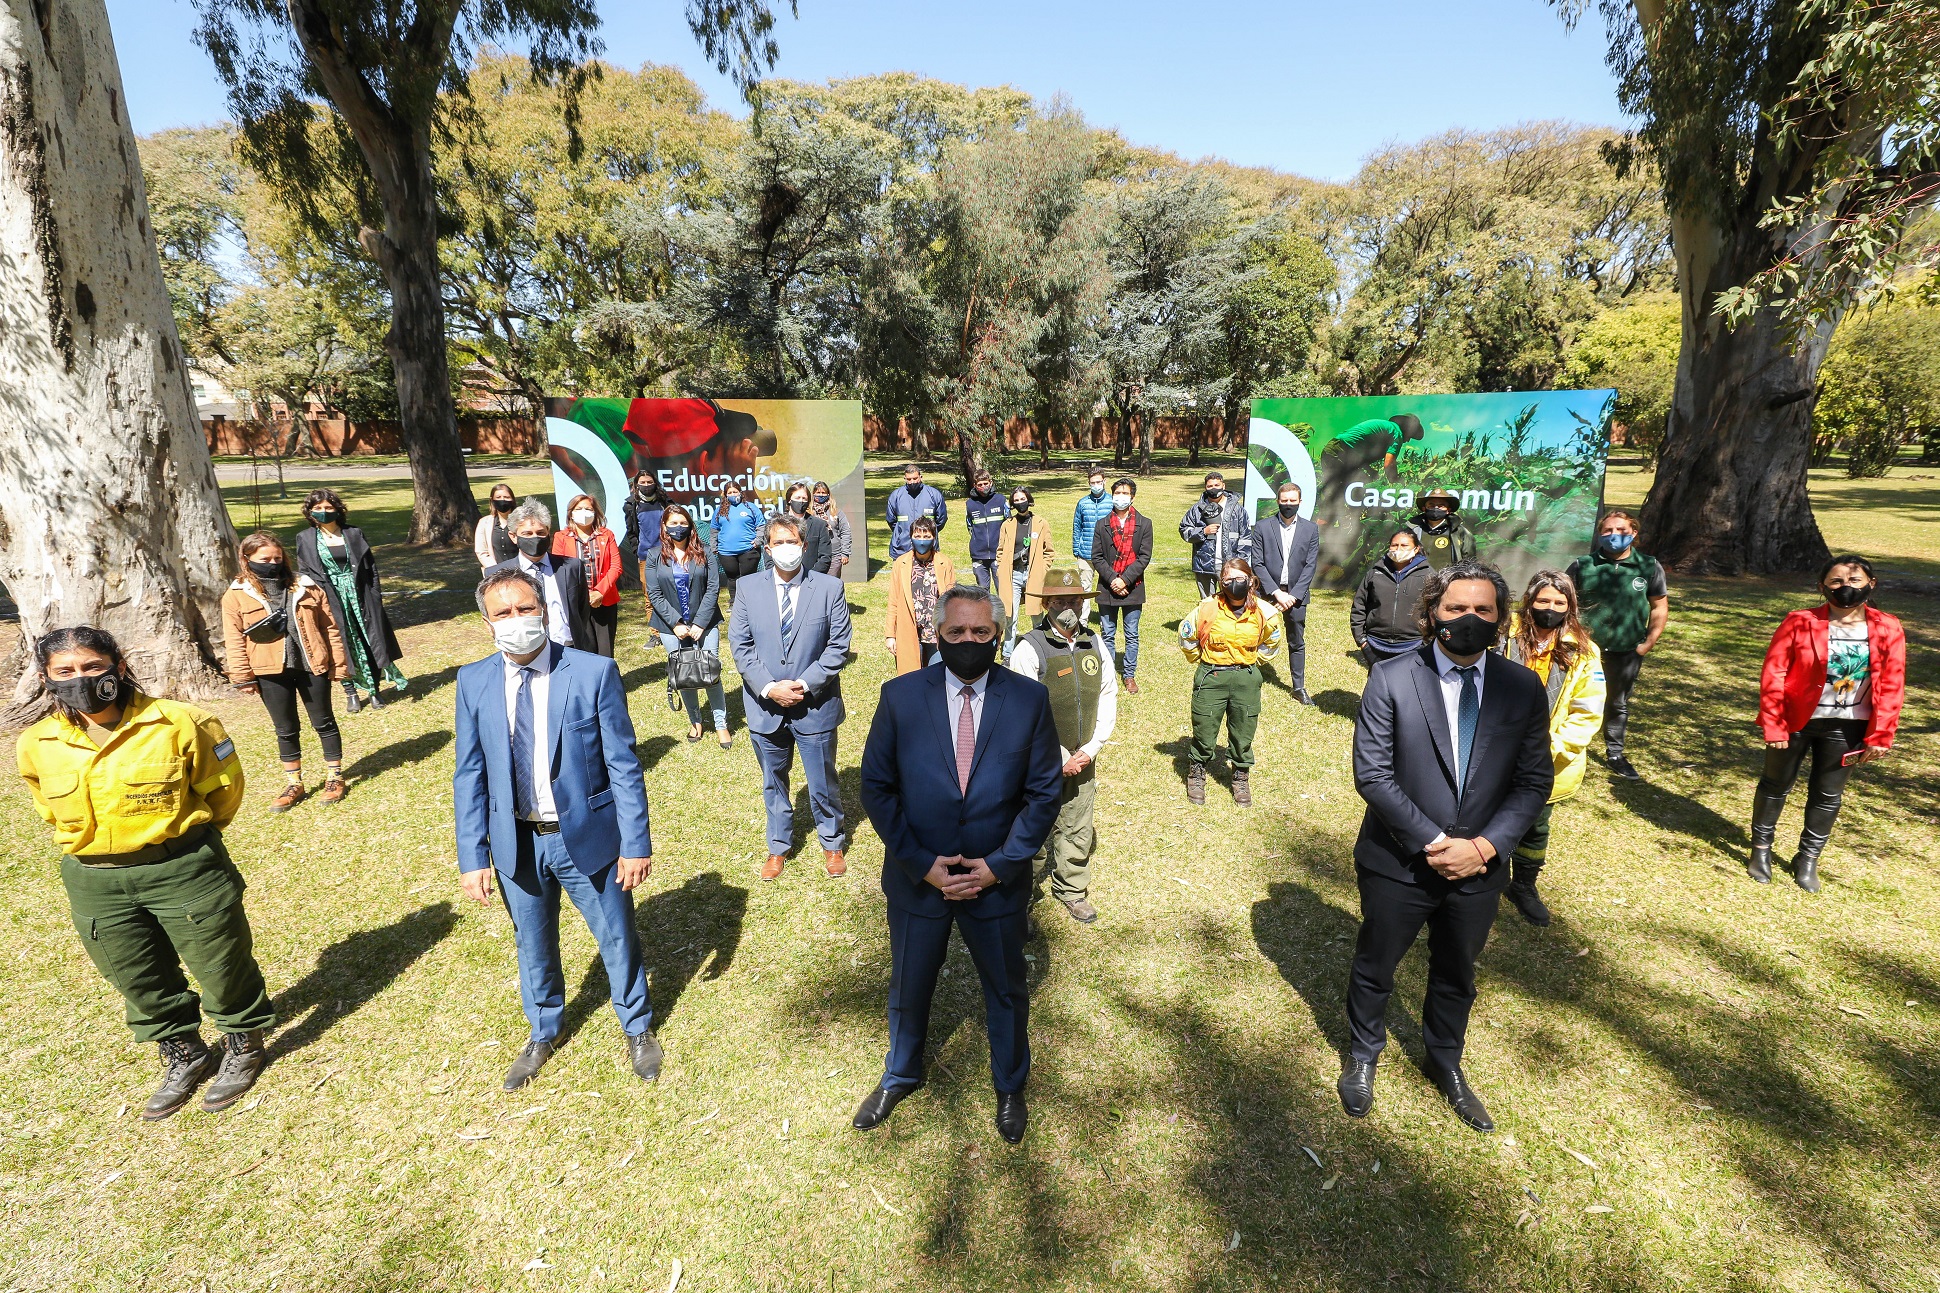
{"points": [[918, 947], [606, 623], [736, 564], [1392, 914], [280, 693], [1619, 676], [1295, 624], [1827, 741]]}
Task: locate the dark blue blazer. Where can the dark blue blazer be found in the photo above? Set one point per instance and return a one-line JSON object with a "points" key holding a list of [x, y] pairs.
{"points": [[597, 785], [909, 789], [814, 657], [1267, 555], [1404, 767]]}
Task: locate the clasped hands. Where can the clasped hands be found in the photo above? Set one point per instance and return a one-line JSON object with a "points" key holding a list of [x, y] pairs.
{"points": [[959, 885], [786, 692], [1458, 859]]}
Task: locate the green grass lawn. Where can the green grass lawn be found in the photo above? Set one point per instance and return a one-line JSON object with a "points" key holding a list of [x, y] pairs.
{"points": [[1700, 1083]]}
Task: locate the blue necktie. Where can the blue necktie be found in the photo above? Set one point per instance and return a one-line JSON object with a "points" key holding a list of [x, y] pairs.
{"points": [[1469, 711], [787, 615], [524, 798]]}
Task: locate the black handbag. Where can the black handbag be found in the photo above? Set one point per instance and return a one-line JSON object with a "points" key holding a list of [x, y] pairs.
{"points": [[273, 627], [692, 667]]}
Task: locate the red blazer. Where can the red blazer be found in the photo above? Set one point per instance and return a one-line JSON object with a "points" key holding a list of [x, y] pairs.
{"points": [[606, 563], [1794, 677]]}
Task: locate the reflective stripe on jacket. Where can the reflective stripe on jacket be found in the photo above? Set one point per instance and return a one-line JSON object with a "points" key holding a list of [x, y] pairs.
{"points": [[168, 769]]}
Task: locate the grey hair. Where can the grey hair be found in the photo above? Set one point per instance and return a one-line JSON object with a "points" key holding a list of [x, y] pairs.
{"points": [[968, 593], [530, 510], [511, 575]]}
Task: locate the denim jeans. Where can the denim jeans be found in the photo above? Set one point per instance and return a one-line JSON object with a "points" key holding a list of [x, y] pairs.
{"points": [[1108, 624], [691, 696]]}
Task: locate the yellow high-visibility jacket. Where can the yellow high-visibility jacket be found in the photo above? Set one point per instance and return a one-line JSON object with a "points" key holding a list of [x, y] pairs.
{"points": [[1244, 637], [1575, 711], [167, 769]]}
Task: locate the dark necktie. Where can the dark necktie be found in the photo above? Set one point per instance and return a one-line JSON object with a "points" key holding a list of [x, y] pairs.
{"points": [[966, 738], [524, 798], [1468, 712], [787, 614]]}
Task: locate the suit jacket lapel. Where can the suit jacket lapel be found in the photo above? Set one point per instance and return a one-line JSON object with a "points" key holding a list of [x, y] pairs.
{"points": [[556, 704], [1492, 677], [495, 729], [940, 718], [1428, 688], [993, 705]]}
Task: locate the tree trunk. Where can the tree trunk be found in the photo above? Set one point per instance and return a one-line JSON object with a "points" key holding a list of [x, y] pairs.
{"points": [[1730, 496], [1192, 444], [970, 456], [1043, 429], [919, 439], [1147, 425], [109, 511]]}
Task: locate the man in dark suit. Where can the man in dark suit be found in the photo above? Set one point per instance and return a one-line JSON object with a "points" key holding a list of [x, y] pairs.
{"points": [[961, 779], [1286, 548], [1451, 753], [569, 615], [547, 793], [790, 637]]}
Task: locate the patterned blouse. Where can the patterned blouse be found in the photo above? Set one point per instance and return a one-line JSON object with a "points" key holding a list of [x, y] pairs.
{"points": [[922, 600]]}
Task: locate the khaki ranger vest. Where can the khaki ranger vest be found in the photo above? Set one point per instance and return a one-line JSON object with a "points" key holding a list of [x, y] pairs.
{"points": [[1074, 673]]}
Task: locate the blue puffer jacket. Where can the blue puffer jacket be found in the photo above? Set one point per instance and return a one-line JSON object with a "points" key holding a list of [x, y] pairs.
{"points": [[1084, 522]]}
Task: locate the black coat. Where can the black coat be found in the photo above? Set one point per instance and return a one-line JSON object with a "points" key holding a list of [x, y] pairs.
{"points": [[1386, 602], [1102, 553], [1306, 558], [1404, 767], [379, 638], [703, 593], [818, 544], [569, 577]]}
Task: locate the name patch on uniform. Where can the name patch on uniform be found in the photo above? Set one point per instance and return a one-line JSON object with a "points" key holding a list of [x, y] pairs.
{"points": [[225, 748], [1063, 671]]}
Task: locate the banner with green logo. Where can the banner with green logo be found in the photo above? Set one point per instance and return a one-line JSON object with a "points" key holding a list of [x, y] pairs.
{"points": [[1522, 472]]}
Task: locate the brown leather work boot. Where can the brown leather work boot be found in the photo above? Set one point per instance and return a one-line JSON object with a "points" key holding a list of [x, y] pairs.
{"points": [[771, 869], [243, 1057], [1196, 783], [1243, 787], [334, 791], [837, 864], [292, 796]]}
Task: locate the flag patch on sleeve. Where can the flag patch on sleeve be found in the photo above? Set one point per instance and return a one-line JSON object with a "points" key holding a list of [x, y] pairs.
{"points": [[225, 749]]}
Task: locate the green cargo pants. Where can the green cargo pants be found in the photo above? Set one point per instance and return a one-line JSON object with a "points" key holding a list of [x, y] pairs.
{"points": [[1231, 694], [142, 924], [1069, 847]]}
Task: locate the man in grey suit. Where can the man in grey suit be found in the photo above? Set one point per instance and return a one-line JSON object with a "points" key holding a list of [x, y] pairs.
{"points": [[1451, 753], [1286, 548], [790, 638]]}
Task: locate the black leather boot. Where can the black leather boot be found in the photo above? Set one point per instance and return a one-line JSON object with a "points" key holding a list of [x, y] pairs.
{"points": [[243, 1057], [1764, 826], [189, 1063], [1812, 842]]}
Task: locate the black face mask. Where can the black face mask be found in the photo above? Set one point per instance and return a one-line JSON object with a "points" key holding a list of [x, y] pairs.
{"points": [[532, 545], [269, 570], [798, 506], [1435, 514], [88, 694], [1848, 595], [1546, 619], [914, 489], [1465, 634], [1022, 509], [501, 505], [1289, 510], [1236, 589], [968, 659], [982, 492], [1214, 495], [679, 533]]}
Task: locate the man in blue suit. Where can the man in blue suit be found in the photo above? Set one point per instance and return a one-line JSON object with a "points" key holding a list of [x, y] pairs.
{"points": [[548, 794], [1451, 753], [961, 778], [790, 638]]}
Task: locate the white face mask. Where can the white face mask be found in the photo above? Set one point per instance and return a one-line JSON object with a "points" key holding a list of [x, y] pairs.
{"points": [[584, 516], [520, 635], [786, 556]]}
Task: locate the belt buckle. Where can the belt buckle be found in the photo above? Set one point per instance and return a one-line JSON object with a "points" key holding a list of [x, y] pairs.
{"points": [[545, 828]]}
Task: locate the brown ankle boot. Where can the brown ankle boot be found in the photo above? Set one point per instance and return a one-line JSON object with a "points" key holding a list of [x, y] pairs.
{"points": [[1243, 787], [243, 1057], [292, 796], [334, 791], [1196, 783]]}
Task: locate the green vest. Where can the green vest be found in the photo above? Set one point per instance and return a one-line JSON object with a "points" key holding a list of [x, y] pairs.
{"points": [[1074, 673], [1614, 599]]}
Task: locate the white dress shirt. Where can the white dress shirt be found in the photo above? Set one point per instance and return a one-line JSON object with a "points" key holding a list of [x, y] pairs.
{"points": [[788, 592], [1287, 529], [953, 700], [558, 627], [1452, 695], [1023, 659], [543, 809]]}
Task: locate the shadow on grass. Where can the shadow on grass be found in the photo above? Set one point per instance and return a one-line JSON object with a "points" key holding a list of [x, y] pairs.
{"points": [[412, 749], [1339, 703], [706, 914], [353, 970]]}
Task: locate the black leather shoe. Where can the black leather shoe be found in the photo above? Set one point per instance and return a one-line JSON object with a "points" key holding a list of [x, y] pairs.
{"points": [[527, 1066], [1011, 1115], [1621, 767], [644, 1051], [1356, 1087], [877, 1104], [1528, 902], [188, 1064], [243, 1057], [1462, 1098], [1301, 695]]}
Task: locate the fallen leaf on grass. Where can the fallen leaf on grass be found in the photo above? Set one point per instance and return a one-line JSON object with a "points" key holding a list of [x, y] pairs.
{"points": [[318, 1084], [124, 1108], [885, 1202], [1233, 1242], [673, 1280], [623, 1162], [1509, 1142], [1310, 1154], [784, 1129], [537, 1264], [484, 1045], [1850, 1011], [1186, 883], [474, 1135], [1330, 1182], [112, 1177], [527, 1113], [1599, 1207], [245, 1171], [1584, 1159], [252, 1104], [1582, 951], [706, 1117], [1524, 1219]]}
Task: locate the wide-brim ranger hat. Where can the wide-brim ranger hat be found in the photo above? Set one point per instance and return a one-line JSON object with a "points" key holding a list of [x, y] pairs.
{"points": [[1058, 579], [1448, 498]]}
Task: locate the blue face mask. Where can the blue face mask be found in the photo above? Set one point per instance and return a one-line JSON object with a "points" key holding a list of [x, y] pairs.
{"points": [[1613, 544], [1121, 501], [923, 545], [1098, 490]]}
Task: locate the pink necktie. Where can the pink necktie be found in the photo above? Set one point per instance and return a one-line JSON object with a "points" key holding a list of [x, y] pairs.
{"points": [[966, 739]]}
